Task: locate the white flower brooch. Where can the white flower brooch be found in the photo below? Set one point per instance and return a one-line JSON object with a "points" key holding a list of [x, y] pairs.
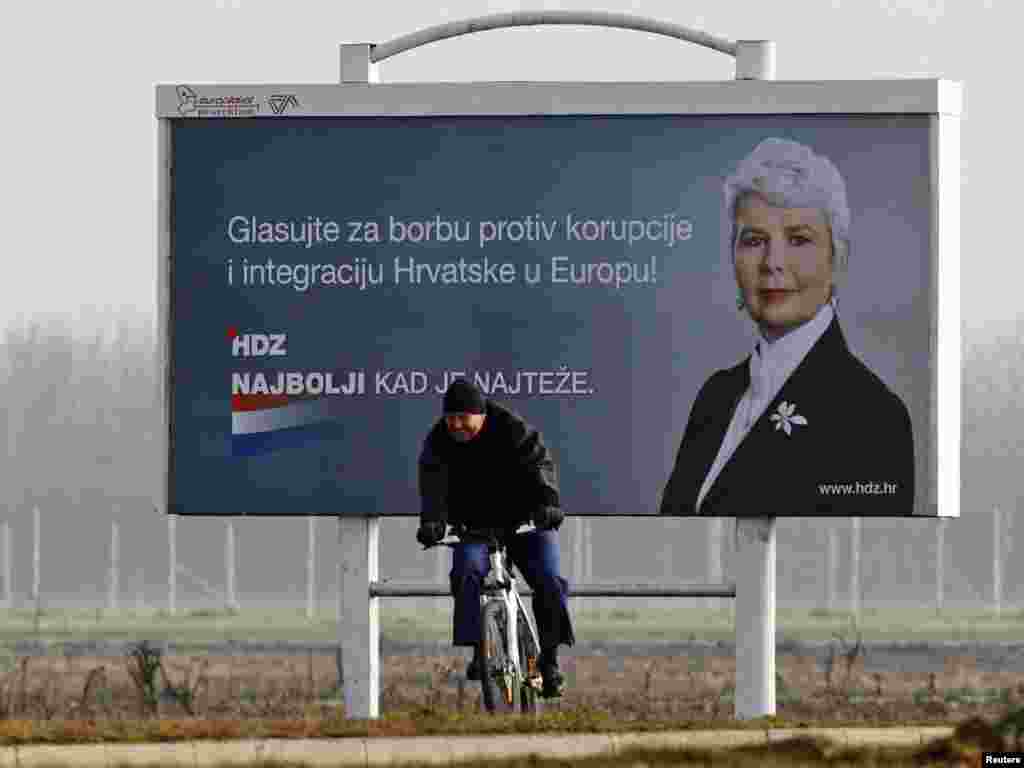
{"points": [[784, 417]]}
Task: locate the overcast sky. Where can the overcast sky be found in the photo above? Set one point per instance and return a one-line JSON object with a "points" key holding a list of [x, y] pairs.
{"points": [[79, 132]]}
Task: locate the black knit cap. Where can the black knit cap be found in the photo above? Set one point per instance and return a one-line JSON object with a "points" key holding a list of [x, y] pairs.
{"points": [[463, 397]]}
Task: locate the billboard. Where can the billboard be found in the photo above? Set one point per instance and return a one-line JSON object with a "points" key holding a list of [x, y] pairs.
{"points": [[734, 307]]}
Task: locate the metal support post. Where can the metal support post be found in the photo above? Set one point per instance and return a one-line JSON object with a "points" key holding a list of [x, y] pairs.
{"points": [[755, 617], [359, 615], [359, 537], [755, 537]]}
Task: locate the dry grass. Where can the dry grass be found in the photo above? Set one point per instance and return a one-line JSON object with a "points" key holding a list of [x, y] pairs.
{"points": [[64, 699], [699, 689], [632, 690]]}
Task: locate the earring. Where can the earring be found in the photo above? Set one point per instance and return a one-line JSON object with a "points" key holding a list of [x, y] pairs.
{"points": [[740, 303]]}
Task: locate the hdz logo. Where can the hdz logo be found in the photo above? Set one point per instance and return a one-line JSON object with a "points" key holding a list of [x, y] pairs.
{"points": [[257, 344]]}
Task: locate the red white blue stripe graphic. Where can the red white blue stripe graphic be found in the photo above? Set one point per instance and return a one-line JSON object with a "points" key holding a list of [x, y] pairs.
{"points": [[264, 423]]}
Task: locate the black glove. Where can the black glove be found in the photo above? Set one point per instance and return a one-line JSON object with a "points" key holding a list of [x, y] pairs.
{"points": [[548, 518], [430, 533]]}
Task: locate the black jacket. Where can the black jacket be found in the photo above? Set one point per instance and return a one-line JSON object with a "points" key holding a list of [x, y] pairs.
{"points": [[497, 479], [857, 432]]}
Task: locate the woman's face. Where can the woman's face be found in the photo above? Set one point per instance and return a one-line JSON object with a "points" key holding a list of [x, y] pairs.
{"points": [[783, 263]]}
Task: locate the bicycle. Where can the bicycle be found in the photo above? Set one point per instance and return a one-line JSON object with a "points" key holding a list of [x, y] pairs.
{"points": [[510, 678]]}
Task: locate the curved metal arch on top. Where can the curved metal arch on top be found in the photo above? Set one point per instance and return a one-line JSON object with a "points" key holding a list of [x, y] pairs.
{"points": [[433, 34]]}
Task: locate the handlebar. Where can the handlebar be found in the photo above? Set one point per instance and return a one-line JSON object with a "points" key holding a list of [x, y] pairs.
{"points": [[492, 536]]}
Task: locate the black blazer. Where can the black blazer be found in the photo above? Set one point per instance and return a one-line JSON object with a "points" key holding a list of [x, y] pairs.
{"points": [[854, 457]]}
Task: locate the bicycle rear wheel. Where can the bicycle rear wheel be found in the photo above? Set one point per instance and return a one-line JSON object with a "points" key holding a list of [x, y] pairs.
{"points": [[529, 655], [501, 689]]}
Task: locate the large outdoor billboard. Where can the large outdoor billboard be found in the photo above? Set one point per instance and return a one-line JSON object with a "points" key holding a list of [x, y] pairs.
{"points": [[705, 311]]}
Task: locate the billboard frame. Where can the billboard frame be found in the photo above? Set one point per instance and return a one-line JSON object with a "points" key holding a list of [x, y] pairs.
{"points": [[911, 96], [940, 99]]}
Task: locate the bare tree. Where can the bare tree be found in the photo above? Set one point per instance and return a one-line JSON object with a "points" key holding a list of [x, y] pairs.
{"points": [[311, 568], [940, 564], [997, 562], [115, 567], [855, 540], [831, 568]]}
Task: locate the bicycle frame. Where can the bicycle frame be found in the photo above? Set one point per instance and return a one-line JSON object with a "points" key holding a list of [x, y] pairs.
{"points": [[500, 584]]}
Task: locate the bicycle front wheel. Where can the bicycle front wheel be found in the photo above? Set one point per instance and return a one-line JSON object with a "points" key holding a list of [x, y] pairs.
{"points": [[501, 689]]}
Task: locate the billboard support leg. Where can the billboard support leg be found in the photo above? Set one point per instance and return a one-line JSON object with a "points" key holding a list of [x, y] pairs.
{"points": [[755, 617], [359, 615], [755, 537], [359, 537]]}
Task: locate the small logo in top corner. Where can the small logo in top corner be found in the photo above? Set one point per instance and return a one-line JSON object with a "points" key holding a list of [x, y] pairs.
{"points": [[186, 100], [280, 102], [192, 104]]}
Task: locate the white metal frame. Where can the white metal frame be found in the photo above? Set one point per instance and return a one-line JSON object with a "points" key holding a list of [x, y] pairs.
{"points": [[360, 94], [500, 572], [730, 97], [532, 18], [512, 606]]}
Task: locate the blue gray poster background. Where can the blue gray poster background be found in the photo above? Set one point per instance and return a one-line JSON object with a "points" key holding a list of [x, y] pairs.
{"points": [[621, 363]]}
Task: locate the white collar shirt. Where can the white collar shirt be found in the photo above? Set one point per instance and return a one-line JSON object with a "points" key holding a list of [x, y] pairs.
{"points": [[771, 364]]}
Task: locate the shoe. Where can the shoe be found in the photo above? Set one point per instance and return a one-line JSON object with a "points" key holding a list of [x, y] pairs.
{"points": [[473, 668], [554, 682]]}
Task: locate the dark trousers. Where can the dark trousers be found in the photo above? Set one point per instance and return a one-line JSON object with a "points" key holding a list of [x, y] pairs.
{"points": [[536, 556]]}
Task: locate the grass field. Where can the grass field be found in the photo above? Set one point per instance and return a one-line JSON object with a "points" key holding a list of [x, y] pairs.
{"points": [[277, 663], [228, 694], [233, 693], [403, 623]]}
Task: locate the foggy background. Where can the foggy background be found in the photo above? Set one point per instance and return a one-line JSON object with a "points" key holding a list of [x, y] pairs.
{"points": [[77, 297], [80, 416]]}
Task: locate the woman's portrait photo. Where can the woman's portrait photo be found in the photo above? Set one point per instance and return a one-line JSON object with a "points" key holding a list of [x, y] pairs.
{"points": [[801, 426]]}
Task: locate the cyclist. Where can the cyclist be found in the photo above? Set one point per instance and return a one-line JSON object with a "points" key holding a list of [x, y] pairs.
{"points": [[484, 467]]}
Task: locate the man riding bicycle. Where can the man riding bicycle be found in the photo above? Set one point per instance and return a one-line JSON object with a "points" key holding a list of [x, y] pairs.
{"points": [[484, 467]]}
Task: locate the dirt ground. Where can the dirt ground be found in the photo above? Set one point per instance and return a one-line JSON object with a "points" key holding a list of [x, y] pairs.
{"points": [[695, 687]]}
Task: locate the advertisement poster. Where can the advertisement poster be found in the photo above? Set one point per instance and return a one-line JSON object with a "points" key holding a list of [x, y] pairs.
{"points": [[703, 315]]}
